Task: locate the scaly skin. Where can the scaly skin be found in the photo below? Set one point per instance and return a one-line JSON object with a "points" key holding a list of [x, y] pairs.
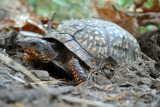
{"points": [[78, 73], [28, 59], [38, 52]]}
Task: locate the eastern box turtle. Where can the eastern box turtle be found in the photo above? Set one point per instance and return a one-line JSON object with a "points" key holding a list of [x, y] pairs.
{"points": [[79, 42]]}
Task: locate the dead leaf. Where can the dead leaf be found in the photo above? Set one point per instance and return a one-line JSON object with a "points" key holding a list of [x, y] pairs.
{"points": [[146, 17], [110, 14], [27, 21]]}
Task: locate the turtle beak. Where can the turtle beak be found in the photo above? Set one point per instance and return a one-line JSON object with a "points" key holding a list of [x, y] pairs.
{"points": [[25, 42]]}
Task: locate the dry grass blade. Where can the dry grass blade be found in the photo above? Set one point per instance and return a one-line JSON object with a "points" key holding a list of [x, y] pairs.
{"points": [[45, 82], [118, 97]]}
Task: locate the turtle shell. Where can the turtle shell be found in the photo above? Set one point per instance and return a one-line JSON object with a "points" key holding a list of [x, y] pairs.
{"points": [[92, 40]]}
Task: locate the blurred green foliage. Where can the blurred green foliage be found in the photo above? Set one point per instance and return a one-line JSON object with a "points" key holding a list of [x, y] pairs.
{"points": [[77, 9], [64, 9], [127, 4]]}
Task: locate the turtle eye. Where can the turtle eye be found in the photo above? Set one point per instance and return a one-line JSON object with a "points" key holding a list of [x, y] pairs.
{"points": [[33, 43]]}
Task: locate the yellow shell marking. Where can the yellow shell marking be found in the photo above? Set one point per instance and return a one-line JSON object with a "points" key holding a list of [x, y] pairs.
{"points": [[94, 49], [94, 42], [86, 36], [111, 51], [101, 31], [111, 33], [115, 52], [100, 44], [78, 27], [127, 56], [99, 50], [72, 24], [95, 32], [123, 55], [121, 46], [69, 31], [136, 51], [117, 31], [90, 37], [117, 55], [89, 46], [80, 24], [121, 35], [135, 41], [89, 31], [85, 43], [65, 38], [105, 50], [97, 38], [82, 32], [102, 52], [80, 40], [79, 36], [115, 44], [111, 37], [103, 40], [98, 56], [101, 56]]}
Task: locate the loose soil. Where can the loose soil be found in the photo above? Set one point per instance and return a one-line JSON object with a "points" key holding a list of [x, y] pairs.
{"points": [[135, 84]]}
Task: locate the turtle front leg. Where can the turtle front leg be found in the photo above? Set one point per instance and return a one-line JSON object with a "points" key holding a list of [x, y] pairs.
{"points": [[78, 72], [27, 58]]}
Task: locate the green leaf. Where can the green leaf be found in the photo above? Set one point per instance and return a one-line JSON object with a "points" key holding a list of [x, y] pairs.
{"points": [[122, 3], [149, 3], [60, 2]]}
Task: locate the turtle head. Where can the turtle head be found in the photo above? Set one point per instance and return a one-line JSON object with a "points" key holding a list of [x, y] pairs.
{"points": [[39, 49]]}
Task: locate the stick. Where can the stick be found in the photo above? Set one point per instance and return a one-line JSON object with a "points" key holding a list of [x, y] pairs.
{"points": [[146, 56], [84, 101], [147, 93], [138, 14]]}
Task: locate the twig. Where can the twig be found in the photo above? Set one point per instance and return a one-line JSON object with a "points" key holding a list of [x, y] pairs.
{"points": [[156, 14], [11, 76], [30, 34], [84, 101], [118, 97], [99, 67], [147, 93], [50, 22], [146, 56], [45, 82], [16, 66]]}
